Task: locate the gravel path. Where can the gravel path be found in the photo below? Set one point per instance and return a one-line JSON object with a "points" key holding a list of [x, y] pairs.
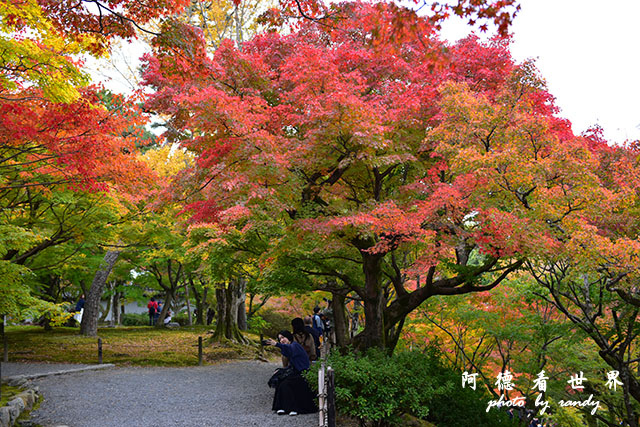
{"points": [[227, 395]]}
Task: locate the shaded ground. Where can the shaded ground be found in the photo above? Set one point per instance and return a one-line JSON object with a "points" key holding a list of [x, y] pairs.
{"points": [[233, 394]]}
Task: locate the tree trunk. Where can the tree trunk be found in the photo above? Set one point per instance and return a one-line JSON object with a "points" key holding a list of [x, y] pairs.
{"points": [[373, 334], [115, 308], [201, 300], [201, 308], [355, 318], [102, 317], [228, 300], [166, 306], [186, 297], [173, 276], [89, 326], [242, 309], [340, 323]]}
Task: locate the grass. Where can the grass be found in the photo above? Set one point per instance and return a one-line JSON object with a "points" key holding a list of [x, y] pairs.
{"points": [[134, 345], [8, 393]]}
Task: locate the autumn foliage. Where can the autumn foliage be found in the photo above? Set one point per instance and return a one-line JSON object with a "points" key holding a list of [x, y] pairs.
{"points": [[395, 159]]}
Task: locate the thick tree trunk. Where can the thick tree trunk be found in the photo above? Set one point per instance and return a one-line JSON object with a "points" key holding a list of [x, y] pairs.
{"points": [[228, 300], [242, 309], [166, 306], [340, 322], [373, 334], [201, 308], [201, 300], [173, 276], [89, 326]]}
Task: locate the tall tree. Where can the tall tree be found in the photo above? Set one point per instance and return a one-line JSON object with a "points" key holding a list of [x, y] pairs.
{"points": [[355, 148]]}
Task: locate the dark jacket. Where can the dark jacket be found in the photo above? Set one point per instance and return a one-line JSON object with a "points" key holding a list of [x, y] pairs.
{"points": [[296, 355]]}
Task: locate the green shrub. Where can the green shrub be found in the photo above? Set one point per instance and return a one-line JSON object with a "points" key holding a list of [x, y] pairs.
{"points": [[135, 319], [378, 390], [257, 324], [275, 322], [182, 318]]}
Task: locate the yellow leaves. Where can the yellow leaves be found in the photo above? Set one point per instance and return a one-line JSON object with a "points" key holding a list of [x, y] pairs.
{"points": [[34, 53], [223, 19], [168, 160]]}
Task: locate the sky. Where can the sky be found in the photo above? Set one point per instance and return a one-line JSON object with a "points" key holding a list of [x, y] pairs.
{"points": [[585, 50]]}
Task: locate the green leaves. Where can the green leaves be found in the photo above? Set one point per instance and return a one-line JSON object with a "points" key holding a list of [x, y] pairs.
{"points": [[379, 389]]}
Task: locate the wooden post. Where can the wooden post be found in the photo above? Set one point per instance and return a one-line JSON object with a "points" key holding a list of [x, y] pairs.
{"points": [[321, 394], [100, 351], [5, 341], [199, 351], [262, 345], [331, 398]]}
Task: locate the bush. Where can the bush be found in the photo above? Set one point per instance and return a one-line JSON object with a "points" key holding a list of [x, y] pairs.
{"points": [[135, 319], [378, 390], [182, 318], [257, 324], [275, 322]]}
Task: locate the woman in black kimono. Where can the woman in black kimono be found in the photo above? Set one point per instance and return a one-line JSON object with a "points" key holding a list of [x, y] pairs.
{"points": [[293, 394]]}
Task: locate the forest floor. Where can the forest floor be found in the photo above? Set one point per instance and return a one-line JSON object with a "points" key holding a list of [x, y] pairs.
{"points": [[128, 346]]}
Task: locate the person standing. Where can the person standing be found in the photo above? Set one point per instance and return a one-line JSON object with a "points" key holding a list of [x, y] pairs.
{"points": [[304, 338], [308, 322], [152, 306], [158, 311], [317, 321], [79, 310]]}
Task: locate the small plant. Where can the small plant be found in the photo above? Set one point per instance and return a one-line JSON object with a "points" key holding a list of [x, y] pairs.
{"points": [[257, 324]]}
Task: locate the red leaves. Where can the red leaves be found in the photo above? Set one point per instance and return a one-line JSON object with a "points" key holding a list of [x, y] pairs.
{"points": [[348, 135], [110, 18], [203, 211], [80, 143]]}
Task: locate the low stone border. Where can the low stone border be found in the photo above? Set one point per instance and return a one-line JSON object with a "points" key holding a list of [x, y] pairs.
{"points": [[25, 400], [64, 371]]}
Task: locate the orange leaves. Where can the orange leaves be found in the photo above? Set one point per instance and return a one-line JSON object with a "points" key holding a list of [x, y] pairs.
{"points": [[81, 144]]}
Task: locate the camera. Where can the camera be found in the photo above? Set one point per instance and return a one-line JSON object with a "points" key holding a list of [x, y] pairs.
{"points": [[265, 342]]}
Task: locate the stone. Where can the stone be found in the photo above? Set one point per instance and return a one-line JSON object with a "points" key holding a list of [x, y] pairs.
{"points": [[14, 413], [5, 417], [18, 382], [17, 402], [28, 397]]}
